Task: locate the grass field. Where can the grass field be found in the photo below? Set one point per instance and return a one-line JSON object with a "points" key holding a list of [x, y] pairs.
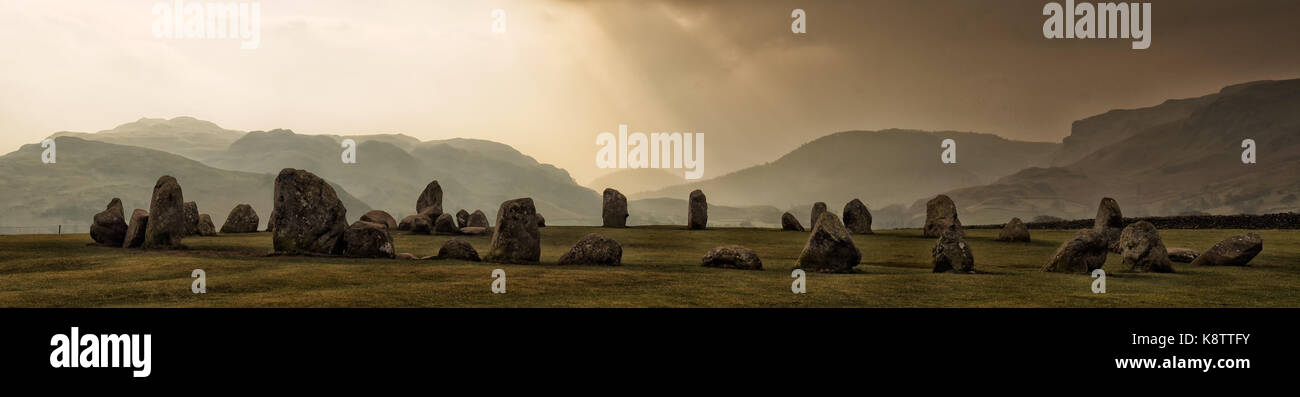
{"points": [[660, 269]]}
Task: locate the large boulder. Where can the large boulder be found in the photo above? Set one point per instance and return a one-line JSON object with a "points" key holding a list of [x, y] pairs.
{"points": [[1142, 250], [191, 218], [818, 209], [1183, 255], [367, 240], [594, 249], [1109, 222], [1233, 251], [242, 219], [405, 224], [951, 253], [1084, 252], [515, 239], [205, 227], [380, 217], [431, 197], [167, 224], [732, 257], [308, 217], [941, 214], [789, 222], [477, 219], [697, 211], [857, 218], [613, 209], [457, 249], [830, 247], [1015, 230], [445, 224], [462, 218], [135, 231], [109, 226], [421, 224]]}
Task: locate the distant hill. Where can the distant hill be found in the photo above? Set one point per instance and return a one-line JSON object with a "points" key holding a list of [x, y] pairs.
{"points": [[638, 180], [667, 211], [878, 167], [89, 173], [185, 136], [1191, 164]]}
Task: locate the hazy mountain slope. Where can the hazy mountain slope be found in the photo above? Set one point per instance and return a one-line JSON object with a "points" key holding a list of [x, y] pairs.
{"points": [[879, 167], [88, 174], [638, 180], [669, 211], [1185, 165], [185, 136]]}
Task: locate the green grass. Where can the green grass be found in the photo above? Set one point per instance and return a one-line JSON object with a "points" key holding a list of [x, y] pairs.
{"points": [[660, 269]]}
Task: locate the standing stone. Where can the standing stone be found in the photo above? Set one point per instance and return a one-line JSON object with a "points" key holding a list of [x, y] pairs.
{"points": [[1142, 249], [405, 224], [431, 197], [515, 238], [732, 257], [613, 208], [421, 224], [477, 219], [830, 247], [697, 215], [242, 219], [1083, 253], [1014, 231], [1183, 255], [135, 231], [1109, 222], [1234, 251], [367, 240], [462, 218], [308, 217], [167, 225], [109, 226], [206, 228], [382, 218], [541, 220], [457, 249], [191, 218], [789, 222], [857, 218], [818, 209], [594, 249], [445, 224], [951, 253], [940, 214]]}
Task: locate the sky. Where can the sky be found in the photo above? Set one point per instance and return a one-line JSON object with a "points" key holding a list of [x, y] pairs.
{"points": [[562, 72]]}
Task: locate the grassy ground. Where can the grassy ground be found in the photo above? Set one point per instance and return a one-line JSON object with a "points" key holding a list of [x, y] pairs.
{"points": [[661, 269]]}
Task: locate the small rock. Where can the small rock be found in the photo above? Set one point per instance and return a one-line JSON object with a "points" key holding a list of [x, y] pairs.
{"points": [[789, 222], [1233, 251], [732, 257], [457, 249], [594, 249], [1014, 231]]}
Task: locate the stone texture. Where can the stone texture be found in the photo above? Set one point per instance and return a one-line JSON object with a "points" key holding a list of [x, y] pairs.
{"points": [[477, 219], [857, 218], [951, 253], [613, 210], [206, 228], [191, 218], [1082, 253], [445, 224], [421, 225], [789, 222], [697, 212], [1182, 255], [167, 224], [367, 240], [134, 237], [732, 257], [1142, 249], [108, 227], [515, 239], [431, 197], [1014, 231], [309, 218], [380, 217], [405, 224], [818, 209], [1233, 251], [830, 247], [940, 214], [1109, 222], [462, 218], [242, 219], [458, 249], [594, 249]]}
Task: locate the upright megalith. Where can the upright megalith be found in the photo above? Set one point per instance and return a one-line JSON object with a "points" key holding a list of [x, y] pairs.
{"points": [[242, 219], [445, 224], [134, 237], [1014, 231], [477, 219], [367, 240], [789, 222], [1109, 222], [697, 211], [516, 238], [613, 210], [429, 203], [308, 217], [1142, 249], [191, 218], [109, 226], [167, 225], [940, 214], [857, 218], [818, 209], [382, 218], [205, 227], [830, 247], [951, 253], [462, 218], [1083, 253]]}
